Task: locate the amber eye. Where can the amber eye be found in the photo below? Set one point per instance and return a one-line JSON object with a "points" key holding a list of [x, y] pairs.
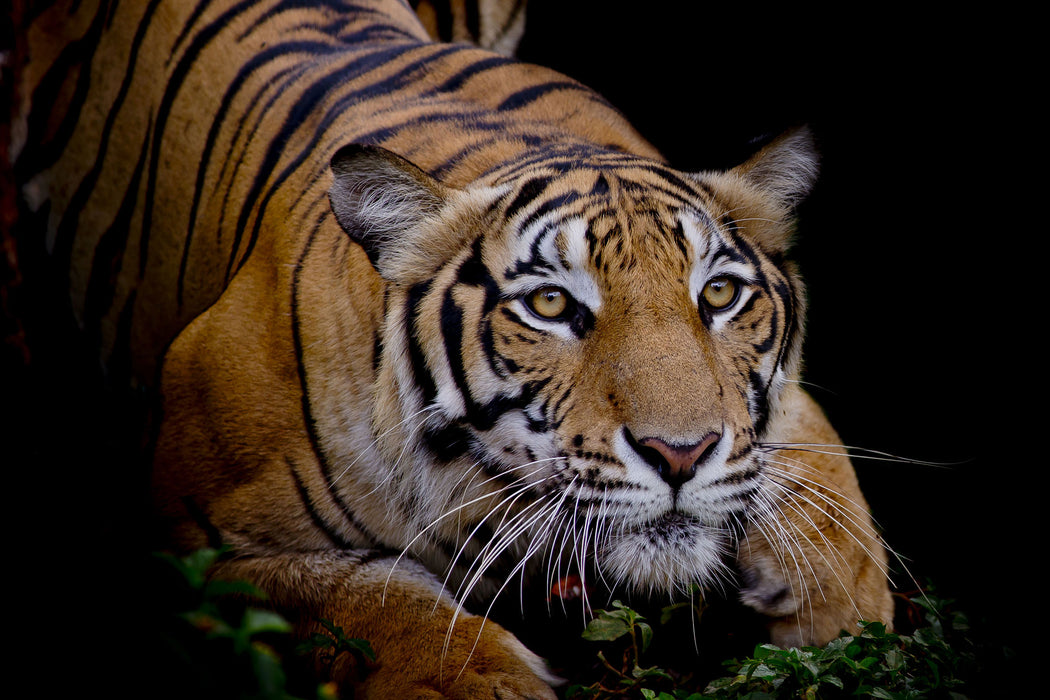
{"points": [[549, 302], [720, 292]]}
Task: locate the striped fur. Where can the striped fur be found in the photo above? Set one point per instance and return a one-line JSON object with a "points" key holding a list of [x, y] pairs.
{"points": [[335, 241]]}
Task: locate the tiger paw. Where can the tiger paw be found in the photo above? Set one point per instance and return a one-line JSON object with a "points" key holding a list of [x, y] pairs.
{"points": [[478, 659]]}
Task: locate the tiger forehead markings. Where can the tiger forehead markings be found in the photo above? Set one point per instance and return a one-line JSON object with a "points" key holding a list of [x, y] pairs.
{"points": [[428, 319]]}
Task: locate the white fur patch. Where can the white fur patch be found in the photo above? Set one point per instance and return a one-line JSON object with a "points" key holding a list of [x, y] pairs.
{"points": [[565, 251], [665, 556]]}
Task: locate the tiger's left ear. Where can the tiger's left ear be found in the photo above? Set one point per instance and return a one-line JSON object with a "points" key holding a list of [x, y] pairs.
{"points": [[786, 168], [762, 193], [393, 210]]}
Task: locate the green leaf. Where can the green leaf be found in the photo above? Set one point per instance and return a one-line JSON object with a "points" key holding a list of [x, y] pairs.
{"points": [[894, 659], [646, 634], [651, 672], [834, 680], [257, 621], [606, 627], [269, 673]]}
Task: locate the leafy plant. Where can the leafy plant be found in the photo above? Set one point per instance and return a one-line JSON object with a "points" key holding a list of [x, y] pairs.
{"points": [[217, 639], [928, 663], [333, 642], [625, 675]]}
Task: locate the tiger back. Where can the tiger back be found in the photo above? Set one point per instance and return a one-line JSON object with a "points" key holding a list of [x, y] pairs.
{"points": [[427, 319]]}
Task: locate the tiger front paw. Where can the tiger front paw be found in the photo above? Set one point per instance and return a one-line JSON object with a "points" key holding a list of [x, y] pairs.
{"points": [[478, 659]]}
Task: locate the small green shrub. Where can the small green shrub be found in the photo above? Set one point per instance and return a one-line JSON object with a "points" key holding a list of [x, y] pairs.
{"points": [[218, 639], [927, 663]]}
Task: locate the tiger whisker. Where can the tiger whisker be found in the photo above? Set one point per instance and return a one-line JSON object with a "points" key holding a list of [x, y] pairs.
{"points": [[853, 452], [786, 498], [506, 505], [792, 465], [789, 545], [504, 539], [850, 517], [376, 440], [458, 509]]}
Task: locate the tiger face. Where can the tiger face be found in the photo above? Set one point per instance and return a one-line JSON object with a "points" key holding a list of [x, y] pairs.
{"points": [[601, 346]]}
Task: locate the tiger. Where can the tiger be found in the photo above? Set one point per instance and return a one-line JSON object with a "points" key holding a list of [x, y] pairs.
{"points": [[423, 320]]}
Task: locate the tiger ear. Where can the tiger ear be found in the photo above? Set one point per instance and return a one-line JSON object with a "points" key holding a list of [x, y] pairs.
{"points": [[762, 193], [378, 198], [786, 168]]}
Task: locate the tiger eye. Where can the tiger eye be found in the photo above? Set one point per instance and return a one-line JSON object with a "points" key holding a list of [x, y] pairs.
{"points": [[720, 292], [549, 302]]}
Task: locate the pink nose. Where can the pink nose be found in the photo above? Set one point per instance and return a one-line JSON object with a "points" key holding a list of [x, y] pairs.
{"points": [[679, 462]]}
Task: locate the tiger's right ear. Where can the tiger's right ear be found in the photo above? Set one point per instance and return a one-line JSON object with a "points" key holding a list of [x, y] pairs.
{"points": [[379, 198]]}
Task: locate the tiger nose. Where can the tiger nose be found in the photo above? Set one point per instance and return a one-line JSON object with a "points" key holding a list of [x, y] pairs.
{"points": [[677, 464]]}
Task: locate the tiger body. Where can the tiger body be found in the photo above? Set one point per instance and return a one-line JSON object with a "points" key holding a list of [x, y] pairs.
{"points": [[386, 377]]}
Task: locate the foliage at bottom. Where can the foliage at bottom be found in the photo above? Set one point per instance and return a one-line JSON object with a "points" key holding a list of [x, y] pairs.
{"points": [[215, 639]]}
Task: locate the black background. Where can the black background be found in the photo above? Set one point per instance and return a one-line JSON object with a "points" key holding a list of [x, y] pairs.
{"points": [[917, 247]]}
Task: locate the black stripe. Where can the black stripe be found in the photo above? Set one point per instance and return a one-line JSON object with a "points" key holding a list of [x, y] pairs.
{"points": [[452, 333], [559, 202], [455, 82], [68, 226], [473, 20], [477, 122], [528, 95], [302, 373], [420, 373], [345, 15], [301, 113], [526, 193], [279, 83], [480, 416], [197, 515], [447, 443], [173, 85], [310, 48], [519, 6], [311, 510], [202, 5]]}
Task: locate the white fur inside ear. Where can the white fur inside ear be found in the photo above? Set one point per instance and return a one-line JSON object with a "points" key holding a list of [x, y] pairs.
{"points": [[786, 168], [376, 196], [385, 207]]}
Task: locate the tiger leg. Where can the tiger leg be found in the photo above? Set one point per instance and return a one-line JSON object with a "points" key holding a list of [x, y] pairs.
{"points": [[425, 646], [811, 558]]}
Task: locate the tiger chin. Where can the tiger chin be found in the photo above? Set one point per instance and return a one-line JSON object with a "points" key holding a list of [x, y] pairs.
{"points": [[433, 322]]}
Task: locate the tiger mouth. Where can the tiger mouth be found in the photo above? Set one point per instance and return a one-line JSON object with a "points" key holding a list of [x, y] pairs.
{"points": [[674, 528]]}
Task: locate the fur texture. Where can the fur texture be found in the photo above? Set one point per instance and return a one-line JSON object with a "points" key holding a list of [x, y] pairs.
{"points": [[429, 320]]}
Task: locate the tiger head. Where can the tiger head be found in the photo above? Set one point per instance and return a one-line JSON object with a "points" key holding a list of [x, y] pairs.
{"points": [[598, 339]]}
